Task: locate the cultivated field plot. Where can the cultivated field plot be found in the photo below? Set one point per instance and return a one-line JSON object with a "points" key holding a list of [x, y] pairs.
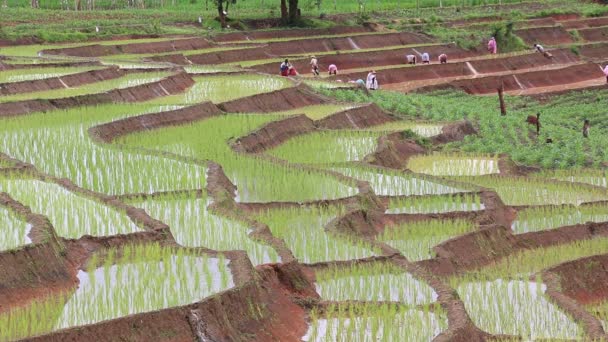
{"points": [[178, 188]]}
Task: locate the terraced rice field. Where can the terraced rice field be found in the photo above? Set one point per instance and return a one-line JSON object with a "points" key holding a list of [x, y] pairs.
{"points": [[195, 194]]}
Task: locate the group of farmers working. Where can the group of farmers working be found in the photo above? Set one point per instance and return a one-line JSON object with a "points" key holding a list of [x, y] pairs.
{"points": [[371, 82]]}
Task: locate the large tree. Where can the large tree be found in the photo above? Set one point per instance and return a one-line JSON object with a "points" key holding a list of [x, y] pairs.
{"points": [[289, 15], [220, 11]]}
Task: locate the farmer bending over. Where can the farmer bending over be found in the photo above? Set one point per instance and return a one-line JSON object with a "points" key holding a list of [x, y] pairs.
{"points": [[333, 69], [411, 59], [539, 48], [285, 66], [426, 58], [314, 63], [443, 58]]}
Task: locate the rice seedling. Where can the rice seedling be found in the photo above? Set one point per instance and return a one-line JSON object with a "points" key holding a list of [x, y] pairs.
{"points": [[375, 282], [193, 226], [434, 204], [59, 144], [72, 216], [542, 218], [396, 183], [376, 323], [327, 147], [530, 191], [14, 231], [522, 264], [303, 231], [129, 80], [422, 129], [453, 164], [20, 75], [589, 176], [415, 240], [258, 180], [224, 88], [142, 279], [318, 84], [517, 308], [600, 311]]}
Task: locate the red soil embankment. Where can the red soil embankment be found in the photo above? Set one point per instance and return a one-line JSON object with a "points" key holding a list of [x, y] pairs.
{"points": [[584, 280], [116, 129], [178, 59], [551, 35], [598, 34], [454, 132], [309, 46], [97, 50], [393, 151], [263, 309], [356, 118], [533, 79], [372, 59], [276, 101], [522, 62], [72, 80], [168, 86], [282, 34]]}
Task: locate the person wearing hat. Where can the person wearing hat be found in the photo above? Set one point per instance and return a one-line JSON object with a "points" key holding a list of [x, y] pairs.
{"points": [[372, 81], [314, 63]]}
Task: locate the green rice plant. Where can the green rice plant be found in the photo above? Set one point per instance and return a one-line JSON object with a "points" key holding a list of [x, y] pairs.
{"points": [[72, 216], [14, 231], [143, 279], [589, 176], [453, 164], [600, 311], [434, 204], [396, 183], [20, 75], [542, 218], [257, 179], [193, 226], [376, 323], [327, 147], [516, 308], [524, 263], [373, 282], [422, 129], [415, 240], [59, 144], [303, 231], [129, 80], [318, 112], [530, 191], [224, 88], [36, 318]]}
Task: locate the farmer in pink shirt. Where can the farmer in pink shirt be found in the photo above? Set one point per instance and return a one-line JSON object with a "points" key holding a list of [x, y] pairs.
{"points": [[492, 46], [333, 69]]}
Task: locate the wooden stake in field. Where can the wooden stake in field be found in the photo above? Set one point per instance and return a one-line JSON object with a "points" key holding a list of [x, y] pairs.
{"points": [[503, 109]]}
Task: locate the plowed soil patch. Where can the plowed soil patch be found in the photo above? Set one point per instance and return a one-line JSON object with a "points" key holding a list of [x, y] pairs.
{"points": [[552, 35]]}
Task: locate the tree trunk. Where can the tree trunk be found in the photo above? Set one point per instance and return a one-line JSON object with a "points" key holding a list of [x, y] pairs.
{"points": [[503, 108], [293, 11], [284, 14], [220, 12], [35, 4]]}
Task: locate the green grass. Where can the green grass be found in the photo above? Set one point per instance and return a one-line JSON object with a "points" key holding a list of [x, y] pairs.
{"points": [[415, 240], [303, 230]]}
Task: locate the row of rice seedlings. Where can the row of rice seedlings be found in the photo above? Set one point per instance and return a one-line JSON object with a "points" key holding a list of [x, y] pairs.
{"points": [[327, 147], [376, 323], [422, 129], [134, 64], [434, 204], [193, 226], [20, 75], [59, 144], [142, 279], [14, 231], [516, 308], [372, 282], [522, 264], [589, 176], [129, 80], [322, 84], [415, 240], [225, 88], [440, 164], [600, 311], [36, 318], [396, 183], [530, 191], [72, 216], [258, 180], [303, 231], [542, 218]]}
